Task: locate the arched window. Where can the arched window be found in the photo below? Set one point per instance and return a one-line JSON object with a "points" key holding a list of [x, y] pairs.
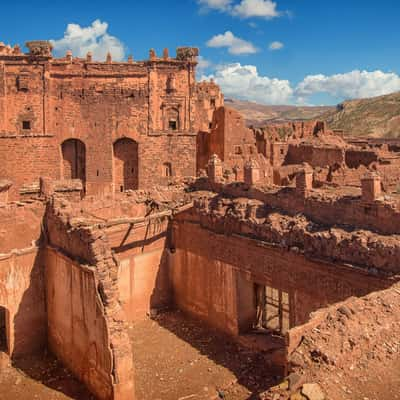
{"points": [[74, 159], [126, 165]]}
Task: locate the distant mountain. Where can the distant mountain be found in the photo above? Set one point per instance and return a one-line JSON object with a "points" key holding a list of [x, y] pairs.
{"points": [[375, 117], [260, 115]]}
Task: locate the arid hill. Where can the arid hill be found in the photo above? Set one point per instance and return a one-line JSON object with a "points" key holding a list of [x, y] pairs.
{"points": [[259, 115], [375, 117]]}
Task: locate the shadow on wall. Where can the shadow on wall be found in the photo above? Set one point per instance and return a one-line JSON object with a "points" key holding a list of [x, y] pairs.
{"points": [[29, 322], [249, 367], [29, 326]]}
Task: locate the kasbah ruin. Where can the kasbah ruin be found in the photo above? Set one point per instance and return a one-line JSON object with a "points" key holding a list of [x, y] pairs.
{"points": [[154, 247]]}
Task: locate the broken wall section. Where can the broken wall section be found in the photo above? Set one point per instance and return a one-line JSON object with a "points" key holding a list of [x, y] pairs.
{"points": [[219, 258], [86, 325]]}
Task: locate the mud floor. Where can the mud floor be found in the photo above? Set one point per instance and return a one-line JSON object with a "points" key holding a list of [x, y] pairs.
{"points": [[177, 358], [42, 378]]}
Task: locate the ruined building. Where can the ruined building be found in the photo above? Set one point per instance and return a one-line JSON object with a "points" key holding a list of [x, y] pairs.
{"points": [[114, 126], [128, 188]]}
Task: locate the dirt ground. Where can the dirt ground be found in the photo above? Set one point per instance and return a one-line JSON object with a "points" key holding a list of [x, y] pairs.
{"points": [[40, 377], [177, 358]]}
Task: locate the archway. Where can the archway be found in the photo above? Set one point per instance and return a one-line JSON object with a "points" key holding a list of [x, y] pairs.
{"points": [[74, 159], [3, 330], [126, 165]]}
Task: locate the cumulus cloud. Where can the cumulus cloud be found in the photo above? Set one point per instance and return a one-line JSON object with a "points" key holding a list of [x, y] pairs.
{"points": [[244, 82], [354, 84], [94, 38], [243, 9], [276, 45], [234, 44], [256, 8]]}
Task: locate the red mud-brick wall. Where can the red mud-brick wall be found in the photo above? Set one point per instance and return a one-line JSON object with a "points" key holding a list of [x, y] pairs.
{"points": [[89, 293], [98, 104], [230, 139], [22, 294], [110, 102], [82, 346], [143, 266], [22, 102], [177, 150], [315, 156], [22, 291], [355, 158], [25, 159], [213, 276]]}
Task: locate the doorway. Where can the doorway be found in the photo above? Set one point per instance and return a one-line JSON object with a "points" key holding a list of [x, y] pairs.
{"points": [[74, 160], [126, 165]]}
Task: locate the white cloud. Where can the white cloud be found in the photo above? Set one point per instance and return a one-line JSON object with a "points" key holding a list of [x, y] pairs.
{"points": [[244, 82], [244, 8], [94, 38], [256, 8], [276, 45], [221, 5], [354, 84], [234, 44], [202, 65]]}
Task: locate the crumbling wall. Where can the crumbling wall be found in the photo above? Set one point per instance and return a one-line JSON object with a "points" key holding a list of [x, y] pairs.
{"points": [[313, 155], [77, 329], [216, 264], [97, 350], [350, 340], [325, 207], [354, 158]]}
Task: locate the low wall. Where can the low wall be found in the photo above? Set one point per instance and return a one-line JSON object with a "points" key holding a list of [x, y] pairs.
{"points": [[322, 207]]}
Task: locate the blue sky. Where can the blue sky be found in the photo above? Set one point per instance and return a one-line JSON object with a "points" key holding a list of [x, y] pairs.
{"points": [[325, 51]]}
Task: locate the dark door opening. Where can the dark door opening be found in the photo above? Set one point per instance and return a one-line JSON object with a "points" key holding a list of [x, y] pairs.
{"points": [[126, 165], [272, 309], [74, 160], [3, 330]]}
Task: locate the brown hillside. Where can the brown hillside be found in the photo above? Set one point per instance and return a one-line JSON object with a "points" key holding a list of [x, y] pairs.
{"points": [[375, 117], [259, 115]]}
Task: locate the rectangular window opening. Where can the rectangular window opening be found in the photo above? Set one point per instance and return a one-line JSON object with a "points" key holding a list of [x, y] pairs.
{"points": [[172, 125], [26, 125]]}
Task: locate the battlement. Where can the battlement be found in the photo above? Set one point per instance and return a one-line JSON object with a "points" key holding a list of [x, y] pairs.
{"points": [[41, 50]]}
